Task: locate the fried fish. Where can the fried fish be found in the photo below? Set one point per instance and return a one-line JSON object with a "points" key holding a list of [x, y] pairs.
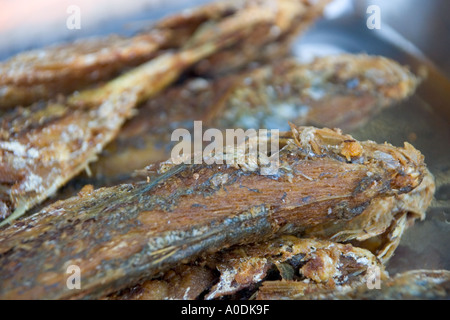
{"points": [[44, 146], [410, 285], [343, 91], [122, 235], [43, 74], [335, 263], [242, 269]]}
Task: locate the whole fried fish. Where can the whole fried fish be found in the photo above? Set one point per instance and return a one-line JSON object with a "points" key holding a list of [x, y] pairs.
{"points": [[121, 235], [380, 226], [44, 146], [342, 91], [304, 265], [62, 69]]}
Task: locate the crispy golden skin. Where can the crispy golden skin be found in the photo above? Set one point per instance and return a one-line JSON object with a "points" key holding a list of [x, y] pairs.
{"points": [[134, 231], [380, 226], [62, 69]]}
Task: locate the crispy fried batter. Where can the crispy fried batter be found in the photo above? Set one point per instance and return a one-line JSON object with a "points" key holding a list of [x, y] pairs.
{"points": [[322, 263]]}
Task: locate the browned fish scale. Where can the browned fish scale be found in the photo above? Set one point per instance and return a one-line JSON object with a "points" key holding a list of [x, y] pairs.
{"points": [[319, 262], [185, 282], [314, 264], [380, 227], [342, 91], [62, 69], [121, 235], [266, 43], [300, 259], [42, 147], [410, 285]]}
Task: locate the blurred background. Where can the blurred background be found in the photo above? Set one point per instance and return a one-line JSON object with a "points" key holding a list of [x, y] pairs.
{"points": [[28, 24]]}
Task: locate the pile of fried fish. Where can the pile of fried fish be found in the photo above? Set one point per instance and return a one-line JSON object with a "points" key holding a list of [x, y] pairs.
{"points": [[86, 133]]}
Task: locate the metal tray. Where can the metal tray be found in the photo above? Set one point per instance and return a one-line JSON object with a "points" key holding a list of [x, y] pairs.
{"points": [[423, 120]]}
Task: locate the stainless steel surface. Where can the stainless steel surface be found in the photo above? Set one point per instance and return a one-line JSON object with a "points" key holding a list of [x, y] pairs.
{"points": [[412, 32], [423, 23]]}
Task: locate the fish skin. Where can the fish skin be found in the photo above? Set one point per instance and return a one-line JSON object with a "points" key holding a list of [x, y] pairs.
{"points": [[339, 91], [121, 235], [378, 229], [410, 285], [322, 262], [62, 69], [44, 147], [319, 261], [264, 97], [259, 47], [185, 282]]}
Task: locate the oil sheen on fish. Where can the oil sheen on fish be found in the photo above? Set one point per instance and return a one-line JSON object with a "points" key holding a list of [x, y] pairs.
{"points": [[121, 235]]}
